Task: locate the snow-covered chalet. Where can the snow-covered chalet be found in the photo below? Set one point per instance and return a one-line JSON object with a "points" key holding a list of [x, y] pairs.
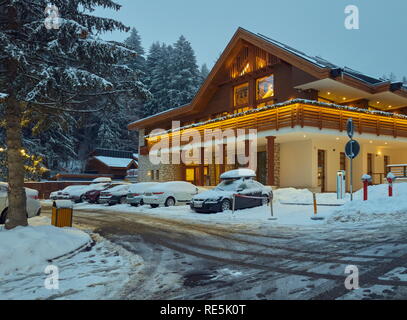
{"points": [[300, 105]]}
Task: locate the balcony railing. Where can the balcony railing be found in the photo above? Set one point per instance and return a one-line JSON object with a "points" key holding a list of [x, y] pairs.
{"points": [[304, 113]]}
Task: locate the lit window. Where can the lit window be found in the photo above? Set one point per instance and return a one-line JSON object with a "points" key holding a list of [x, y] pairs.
{"points": [[190, 175], [241, 94], [265, 87]]}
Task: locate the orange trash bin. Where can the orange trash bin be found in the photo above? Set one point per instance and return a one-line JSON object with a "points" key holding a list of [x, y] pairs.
{"points": [[62, 214]]}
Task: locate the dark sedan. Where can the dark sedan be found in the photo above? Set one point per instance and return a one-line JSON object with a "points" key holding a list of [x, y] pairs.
{"points": [[247, 192]]}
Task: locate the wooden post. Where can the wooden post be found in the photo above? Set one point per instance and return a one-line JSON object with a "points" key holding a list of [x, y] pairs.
{"points": [[222, 166], [202, 167], [270, 160]]}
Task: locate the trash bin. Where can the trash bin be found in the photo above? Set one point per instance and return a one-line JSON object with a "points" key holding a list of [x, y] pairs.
{"points": [[62, 213]]}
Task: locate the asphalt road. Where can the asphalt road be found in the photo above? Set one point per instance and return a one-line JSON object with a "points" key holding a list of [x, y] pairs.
{"points": [[185, 260]]}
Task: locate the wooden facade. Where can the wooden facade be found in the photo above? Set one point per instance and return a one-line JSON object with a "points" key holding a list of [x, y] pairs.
{"points": [[261, 84]]}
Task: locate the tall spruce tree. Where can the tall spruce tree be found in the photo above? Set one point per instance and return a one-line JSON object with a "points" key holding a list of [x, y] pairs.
{"points": [[159, 77], [186, 76], [137, 63], [204, 73], [54, 68]]}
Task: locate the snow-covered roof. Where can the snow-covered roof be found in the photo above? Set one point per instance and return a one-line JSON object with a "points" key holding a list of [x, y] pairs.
{"points": [[115, 162], [3, 95], [323, 63]]}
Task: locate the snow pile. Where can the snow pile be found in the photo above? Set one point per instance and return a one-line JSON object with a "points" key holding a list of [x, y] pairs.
{"points": [[379, 206], [304, 196], [28, 249]]}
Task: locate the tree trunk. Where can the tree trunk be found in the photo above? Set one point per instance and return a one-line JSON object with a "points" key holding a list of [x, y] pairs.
{"points": [[17, 213]]}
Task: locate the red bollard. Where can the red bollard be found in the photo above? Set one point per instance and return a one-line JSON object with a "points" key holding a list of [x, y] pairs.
{"points": [[366, 181], [390, 179], [390, 187], [365, 188]]}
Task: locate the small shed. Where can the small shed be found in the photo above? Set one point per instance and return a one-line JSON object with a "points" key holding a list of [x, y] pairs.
{"points": [[111, 162]]}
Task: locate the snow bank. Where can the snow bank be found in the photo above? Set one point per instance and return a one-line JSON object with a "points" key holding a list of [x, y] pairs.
{"points": [[28, 249], [304, 196], [379, 206]]}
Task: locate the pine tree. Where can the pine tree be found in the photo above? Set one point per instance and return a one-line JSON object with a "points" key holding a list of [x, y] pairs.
{"points": [[137, 63], [204, 73], [186, 76], [54, 68], [159, 78]]}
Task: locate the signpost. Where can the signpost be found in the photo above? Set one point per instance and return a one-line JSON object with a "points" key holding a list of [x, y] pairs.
{"points": [[352, 150]]}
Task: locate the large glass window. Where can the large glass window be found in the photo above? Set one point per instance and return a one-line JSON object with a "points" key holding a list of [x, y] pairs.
{"points": [[265, 87], [241, 95]]}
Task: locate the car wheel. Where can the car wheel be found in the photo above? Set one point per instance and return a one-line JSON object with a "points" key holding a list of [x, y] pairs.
{"points": [[3, 217], [154, 205], [123, 200], [39, 212], [225, 205], [170, 202], [141, 203]]}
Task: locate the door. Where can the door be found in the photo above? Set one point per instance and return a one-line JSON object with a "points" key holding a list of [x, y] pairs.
{"points": [[322, 170], [370, 164], [262, 167]]}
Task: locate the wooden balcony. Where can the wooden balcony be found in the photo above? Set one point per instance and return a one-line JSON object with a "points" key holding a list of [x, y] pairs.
{"points": [[304, 113]]}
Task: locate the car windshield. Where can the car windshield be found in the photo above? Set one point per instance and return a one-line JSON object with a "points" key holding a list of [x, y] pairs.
{"points": [[231, 185]]}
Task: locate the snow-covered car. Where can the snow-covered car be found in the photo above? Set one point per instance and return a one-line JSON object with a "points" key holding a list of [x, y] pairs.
{"points": [[238, 182], [115, 195], [92, 196], [170, 194], [55, 195], [77, 193], [33, 205], [136, 192]]}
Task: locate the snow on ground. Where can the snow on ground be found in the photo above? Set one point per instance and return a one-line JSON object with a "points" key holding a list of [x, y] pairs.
{"points": [[27, 249], [378, 208], [304, 196], [286, 215], [99, 272], [294, 207]]}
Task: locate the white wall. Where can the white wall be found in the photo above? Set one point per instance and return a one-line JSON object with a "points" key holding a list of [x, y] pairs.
{"points": [[299, 162], [295, 164]]}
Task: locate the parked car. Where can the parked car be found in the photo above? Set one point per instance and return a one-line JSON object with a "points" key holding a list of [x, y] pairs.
{"points": [[170, 194], [136, 192], [78, 194], [93, 196], [33, 204], [56, 195], [115, 195], [235, 182]]}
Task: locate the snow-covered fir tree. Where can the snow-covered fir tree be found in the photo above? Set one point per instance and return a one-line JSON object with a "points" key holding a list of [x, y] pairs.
{"points": [[204, 73], [173, 76], [186, 76], [158, 78], [55, 68], [137, 63]]}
